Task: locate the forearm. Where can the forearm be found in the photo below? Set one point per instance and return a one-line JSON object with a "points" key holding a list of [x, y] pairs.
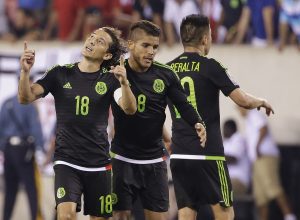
{"points": [[190, 115], [252, 102], [245, 100], [178, 97], [25, 94], [128, 101]]}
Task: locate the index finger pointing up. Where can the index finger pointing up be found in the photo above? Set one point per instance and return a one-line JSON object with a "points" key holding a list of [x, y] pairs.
{"points": [[25, 45], [122, 60]]}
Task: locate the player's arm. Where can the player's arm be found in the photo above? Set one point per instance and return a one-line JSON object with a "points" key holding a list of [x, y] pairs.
{"points": [[124, 96], [166, 139], [249, 101], [28, 93], [186, 110], [127, 102]]}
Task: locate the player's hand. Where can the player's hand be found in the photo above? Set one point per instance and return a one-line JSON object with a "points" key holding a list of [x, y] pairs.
{"points": [[201, 131], [120, 72], [267, 106], [27, 59]]}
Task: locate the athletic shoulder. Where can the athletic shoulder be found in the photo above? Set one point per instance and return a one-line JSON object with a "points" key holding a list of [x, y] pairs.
{"points": [[212, 62], [59, 68], [62, 67], [164, 67]]}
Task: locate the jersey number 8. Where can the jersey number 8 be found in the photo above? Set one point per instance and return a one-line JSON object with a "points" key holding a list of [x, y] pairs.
{"points": [[141, 100]]}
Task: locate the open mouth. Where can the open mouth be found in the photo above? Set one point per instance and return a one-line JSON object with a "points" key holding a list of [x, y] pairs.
{"points": [[88, 49]]}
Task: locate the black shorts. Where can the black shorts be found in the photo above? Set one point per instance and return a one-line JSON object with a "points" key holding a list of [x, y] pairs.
{"points": [[95, 186], [149, 182], [201, 182]]}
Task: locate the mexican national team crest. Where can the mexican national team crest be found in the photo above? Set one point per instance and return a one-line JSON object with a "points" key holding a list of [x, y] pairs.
{"points": [[60, 192], [158, 85], [114, 198], [101, 88]]}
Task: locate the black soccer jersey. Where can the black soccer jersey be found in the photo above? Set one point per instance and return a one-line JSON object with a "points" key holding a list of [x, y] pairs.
{"points": [[202, 79], [139, 136], [82, 102]]}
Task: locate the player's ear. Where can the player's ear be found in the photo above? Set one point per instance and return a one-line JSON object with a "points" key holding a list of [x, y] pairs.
{"points": [[205, 39], [107, 56], [130, 44]]}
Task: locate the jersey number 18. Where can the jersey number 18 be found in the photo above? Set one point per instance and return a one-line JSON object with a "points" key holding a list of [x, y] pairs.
{"points": [[82, 105]]}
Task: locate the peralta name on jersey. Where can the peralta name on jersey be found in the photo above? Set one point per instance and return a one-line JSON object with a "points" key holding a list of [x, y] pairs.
{"points": [[186, 67]]}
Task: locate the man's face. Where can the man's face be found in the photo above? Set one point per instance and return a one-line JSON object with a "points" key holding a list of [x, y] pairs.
{"points": [[143, 50], [96, 45]]}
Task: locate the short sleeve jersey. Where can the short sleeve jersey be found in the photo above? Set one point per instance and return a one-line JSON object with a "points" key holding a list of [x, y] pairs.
{"points": [[202, 79], [139, 136], [82, 103]]}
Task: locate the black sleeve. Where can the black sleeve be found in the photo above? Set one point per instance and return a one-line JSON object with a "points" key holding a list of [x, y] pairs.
{"points": [[48, 80], [178, 97], [219, 76]]}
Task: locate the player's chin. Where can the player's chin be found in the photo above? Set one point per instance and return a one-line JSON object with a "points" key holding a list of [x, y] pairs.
{"points": [[147, 64], [86, 54]]}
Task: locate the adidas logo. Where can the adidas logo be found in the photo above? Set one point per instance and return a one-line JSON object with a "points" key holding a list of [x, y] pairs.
{"points": [[67, 86]]}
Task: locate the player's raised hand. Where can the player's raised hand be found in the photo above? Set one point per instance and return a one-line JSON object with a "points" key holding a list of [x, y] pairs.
{"points": [[267, 106], [120, 71], [201, 131], [27, 58]]}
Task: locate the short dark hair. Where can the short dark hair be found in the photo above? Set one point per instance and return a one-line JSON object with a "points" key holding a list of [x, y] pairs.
{"points": [[116, 48], [192, 29], [148, 27]]}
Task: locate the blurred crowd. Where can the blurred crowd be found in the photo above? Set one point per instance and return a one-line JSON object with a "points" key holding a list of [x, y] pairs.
{"points": [[259, 22]]}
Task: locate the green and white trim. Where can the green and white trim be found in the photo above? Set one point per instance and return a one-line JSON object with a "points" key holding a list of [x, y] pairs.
{"points": [[196, 157], [224, 183]]}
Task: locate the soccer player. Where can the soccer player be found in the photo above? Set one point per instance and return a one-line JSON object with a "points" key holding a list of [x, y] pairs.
{"points": [[200, 175], [138, 153], [83, 92]]}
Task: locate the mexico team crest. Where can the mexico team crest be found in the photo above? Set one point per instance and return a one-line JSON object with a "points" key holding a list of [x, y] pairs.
{"points": [[114, 198], [101, 88], [60, 192], [158, 85]]}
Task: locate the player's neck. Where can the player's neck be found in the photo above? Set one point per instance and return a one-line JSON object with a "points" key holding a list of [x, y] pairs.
{"points": [[190, 49], [88, 66]]}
